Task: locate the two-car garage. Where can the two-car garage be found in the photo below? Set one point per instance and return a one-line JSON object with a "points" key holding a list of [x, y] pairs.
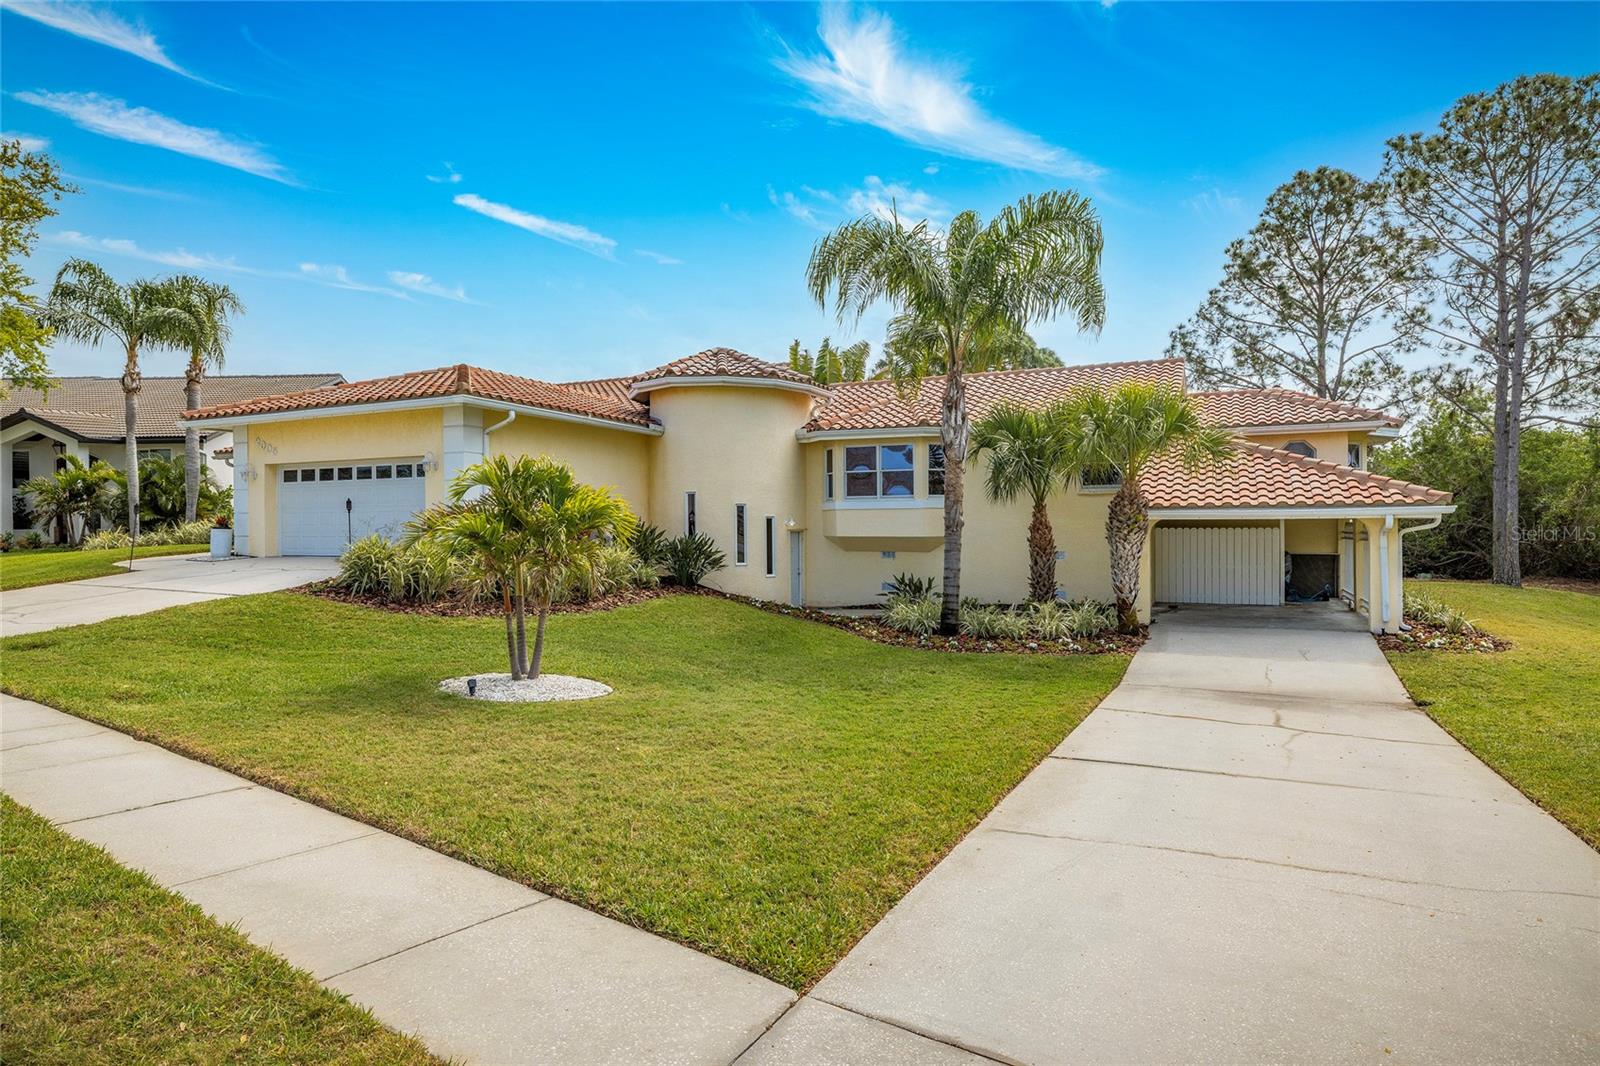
{"points": [[323, 508]]}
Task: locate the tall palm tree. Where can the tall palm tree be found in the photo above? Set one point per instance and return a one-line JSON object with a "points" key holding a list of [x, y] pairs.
{"points": [[912, 357], [531, 524], [87, 305], [1028, 452], [1035, 259], [1118, 433], [209, 305], [831, 365]]}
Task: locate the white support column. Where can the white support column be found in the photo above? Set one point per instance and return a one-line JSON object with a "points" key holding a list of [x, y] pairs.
{"points": [[241, 492], [463, 440]]}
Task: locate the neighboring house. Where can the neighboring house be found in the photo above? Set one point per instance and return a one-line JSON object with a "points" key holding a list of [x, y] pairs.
{"points": [[84, 417], [819, 495]]}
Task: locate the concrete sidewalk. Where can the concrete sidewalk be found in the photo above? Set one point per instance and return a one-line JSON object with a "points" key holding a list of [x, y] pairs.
{"points": [[478, 967], [155, 584], [1255, 850]]}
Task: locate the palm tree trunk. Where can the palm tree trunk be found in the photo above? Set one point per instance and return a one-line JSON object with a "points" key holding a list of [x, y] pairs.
{"points": [[191, 443], [1041, 555], [953, 429], [1126, 521], [538, 639], [522, 632], [132, 382], [511, 631]]}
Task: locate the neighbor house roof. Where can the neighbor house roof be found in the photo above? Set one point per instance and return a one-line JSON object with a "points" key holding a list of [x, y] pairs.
{"points": [[722, 363], [1280, 407], [1259, 476], [90, 408], [458, 380], [867, 405]]}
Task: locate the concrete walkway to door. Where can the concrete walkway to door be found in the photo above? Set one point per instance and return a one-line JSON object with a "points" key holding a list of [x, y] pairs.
{"points": [[1256, 849], [155, 584]]}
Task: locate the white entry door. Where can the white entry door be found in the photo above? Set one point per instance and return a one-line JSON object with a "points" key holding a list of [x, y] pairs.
{"points": [[1218, 564], [322, 509]]}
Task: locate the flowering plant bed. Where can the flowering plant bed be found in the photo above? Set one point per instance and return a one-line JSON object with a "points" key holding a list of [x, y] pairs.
{"points": [[1425, 637]]}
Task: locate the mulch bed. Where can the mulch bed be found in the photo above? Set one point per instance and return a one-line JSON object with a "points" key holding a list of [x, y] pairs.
{"points": [[868, 628], [1424, 637]]}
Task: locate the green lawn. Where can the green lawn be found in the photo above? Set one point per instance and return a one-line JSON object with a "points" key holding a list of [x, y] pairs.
{"points": [[21, 568], [1532, 712], [759, 787], [103, 966]]}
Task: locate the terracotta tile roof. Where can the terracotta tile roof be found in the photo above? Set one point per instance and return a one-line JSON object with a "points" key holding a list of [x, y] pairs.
{"points": [[458, 380], [878, 405], [607, 388], [1258, 476], [723, 363], [90, 408], [1280, 407], [223, 453]]}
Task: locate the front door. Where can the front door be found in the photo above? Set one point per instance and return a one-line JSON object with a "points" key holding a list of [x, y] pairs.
{"points": [[797, 568]]}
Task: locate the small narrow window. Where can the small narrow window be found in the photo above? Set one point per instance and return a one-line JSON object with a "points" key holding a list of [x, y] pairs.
{"points": [[291, 476], [739, 558], [346, 473], [895, 471], [1108, 478], [1353, 455], [308, 474], [861, 471], [402, 470], [20, 467], [688, 513], [1300, 447], [827, 473], [385, 472], [363, 473], [936, 470], [325, 474], [772, 546]]}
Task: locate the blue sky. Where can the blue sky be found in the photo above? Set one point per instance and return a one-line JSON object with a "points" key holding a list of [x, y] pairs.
{"points": [[577, 191]]}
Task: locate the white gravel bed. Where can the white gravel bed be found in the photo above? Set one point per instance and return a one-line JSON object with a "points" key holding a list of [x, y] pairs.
{"points": [[543, 689]]}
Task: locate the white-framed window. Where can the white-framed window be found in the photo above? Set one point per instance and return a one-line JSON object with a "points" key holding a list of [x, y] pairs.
{"points": [[936, 470], [1092, 480], [772, 546], [154, 453], [827, 473], [884, 470], [688, 513], [1300, 447], [739, 553], [1352, 455]]}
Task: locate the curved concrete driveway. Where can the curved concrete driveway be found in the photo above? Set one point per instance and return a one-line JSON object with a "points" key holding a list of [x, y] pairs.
{"points": [[1255, 849], [156, 583]]}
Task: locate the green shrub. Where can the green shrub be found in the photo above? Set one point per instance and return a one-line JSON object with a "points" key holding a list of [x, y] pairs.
{"points": [[107, 539], [910, 586], [196, 532], [691, 557], [1088, 618], [1431, 612], [612, 571], [650, 544], [31, 539], [365, 566], [644, 575], [5, 540], [994, 623], [1049, 620], [420, 573], [917, 615]]}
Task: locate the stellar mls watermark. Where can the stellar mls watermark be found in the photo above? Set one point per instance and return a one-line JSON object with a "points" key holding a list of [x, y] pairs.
{"points": [[1557, 534]]}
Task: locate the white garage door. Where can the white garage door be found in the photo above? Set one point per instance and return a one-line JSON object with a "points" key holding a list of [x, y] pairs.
{"points": [[1218, 564], [323, 508]]}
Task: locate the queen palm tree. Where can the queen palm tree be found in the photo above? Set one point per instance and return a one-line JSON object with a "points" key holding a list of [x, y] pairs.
{"points": [[1028, 452], [87, 305], [954, 289], [529, 524], [209, 306], [1119, 432]]}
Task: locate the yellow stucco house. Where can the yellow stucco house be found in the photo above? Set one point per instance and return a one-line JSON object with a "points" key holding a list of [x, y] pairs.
{"points": [[820, 494]]}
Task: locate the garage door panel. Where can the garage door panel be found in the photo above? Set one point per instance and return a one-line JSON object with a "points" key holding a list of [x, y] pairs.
{"points": [[312, 517], [1218, 564]]}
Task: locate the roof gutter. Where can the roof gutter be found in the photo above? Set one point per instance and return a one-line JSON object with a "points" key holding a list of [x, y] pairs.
{"points": [[1356, 510], [420, 403], [804, 434]]}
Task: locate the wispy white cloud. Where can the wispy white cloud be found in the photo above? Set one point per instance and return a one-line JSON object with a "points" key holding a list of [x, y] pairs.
{"points": [[931, 168], [29, 142], [735, 215], [337, 277], [422, 283], [569, 233], [180, 258], [795, 207], [114, 118], [1214, 203], [821, 208], [450, 176], [657, 257], [102, 26], [867, 76], [136, 190]]}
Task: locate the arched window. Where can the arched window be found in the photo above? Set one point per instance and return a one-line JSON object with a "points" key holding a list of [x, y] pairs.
{"points": [[1300, 447]]}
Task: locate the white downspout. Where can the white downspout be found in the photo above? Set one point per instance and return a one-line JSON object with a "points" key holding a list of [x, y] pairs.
{"points": [[1432, 523], [502, 424], [1383, 566]]}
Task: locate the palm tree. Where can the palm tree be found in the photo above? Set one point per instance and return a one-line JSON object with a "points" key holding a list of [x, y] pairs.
{"points": [[1004, 348], [955, 289], [69, 496], [831, 365], [530, 524], [1029, 453], [87, 305], [209, 305], [1118, 433]]}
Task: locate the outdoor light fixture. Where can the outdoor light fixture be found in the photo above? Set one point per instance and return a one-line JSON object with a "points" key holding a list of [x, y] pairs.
{"points": [[59, 447], [472, 686]]}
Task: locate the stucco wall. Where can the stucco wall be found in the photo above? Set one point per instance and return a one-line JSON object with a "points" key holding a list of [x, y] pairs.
{"points": [[616, 459], [1332, 447], [730, 445], [384, 435]]}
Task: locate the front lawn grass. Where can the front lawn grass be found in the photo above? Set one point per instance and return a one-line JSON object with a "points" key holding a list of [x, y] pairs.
{"points": [[22, 568], [759, 787], [1532, 713], [103, 966]]}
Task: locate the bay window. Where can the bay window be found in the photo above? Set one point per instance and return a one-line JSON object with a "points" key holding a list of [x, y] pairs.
{"points": [[885, 470]]}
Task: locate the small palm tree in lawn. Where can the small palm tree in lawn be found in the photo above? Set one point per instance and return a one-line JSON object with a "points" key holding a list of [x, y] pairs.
{"points": [[208, 306], [87, 305], [528, 524], [1028, 452], [955, 289], [1118, 433], [70, 496]]}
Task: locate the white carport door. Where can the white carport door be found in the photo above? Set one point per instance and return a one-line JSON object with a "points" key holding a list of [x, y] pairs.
{"points": [[312, 515], [1218, 564]]}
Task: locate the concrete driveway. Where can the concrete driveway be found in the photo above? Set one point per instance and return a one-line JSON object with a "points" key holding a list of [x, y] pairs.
{"points": [[1254, 850], [157, 583]]}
